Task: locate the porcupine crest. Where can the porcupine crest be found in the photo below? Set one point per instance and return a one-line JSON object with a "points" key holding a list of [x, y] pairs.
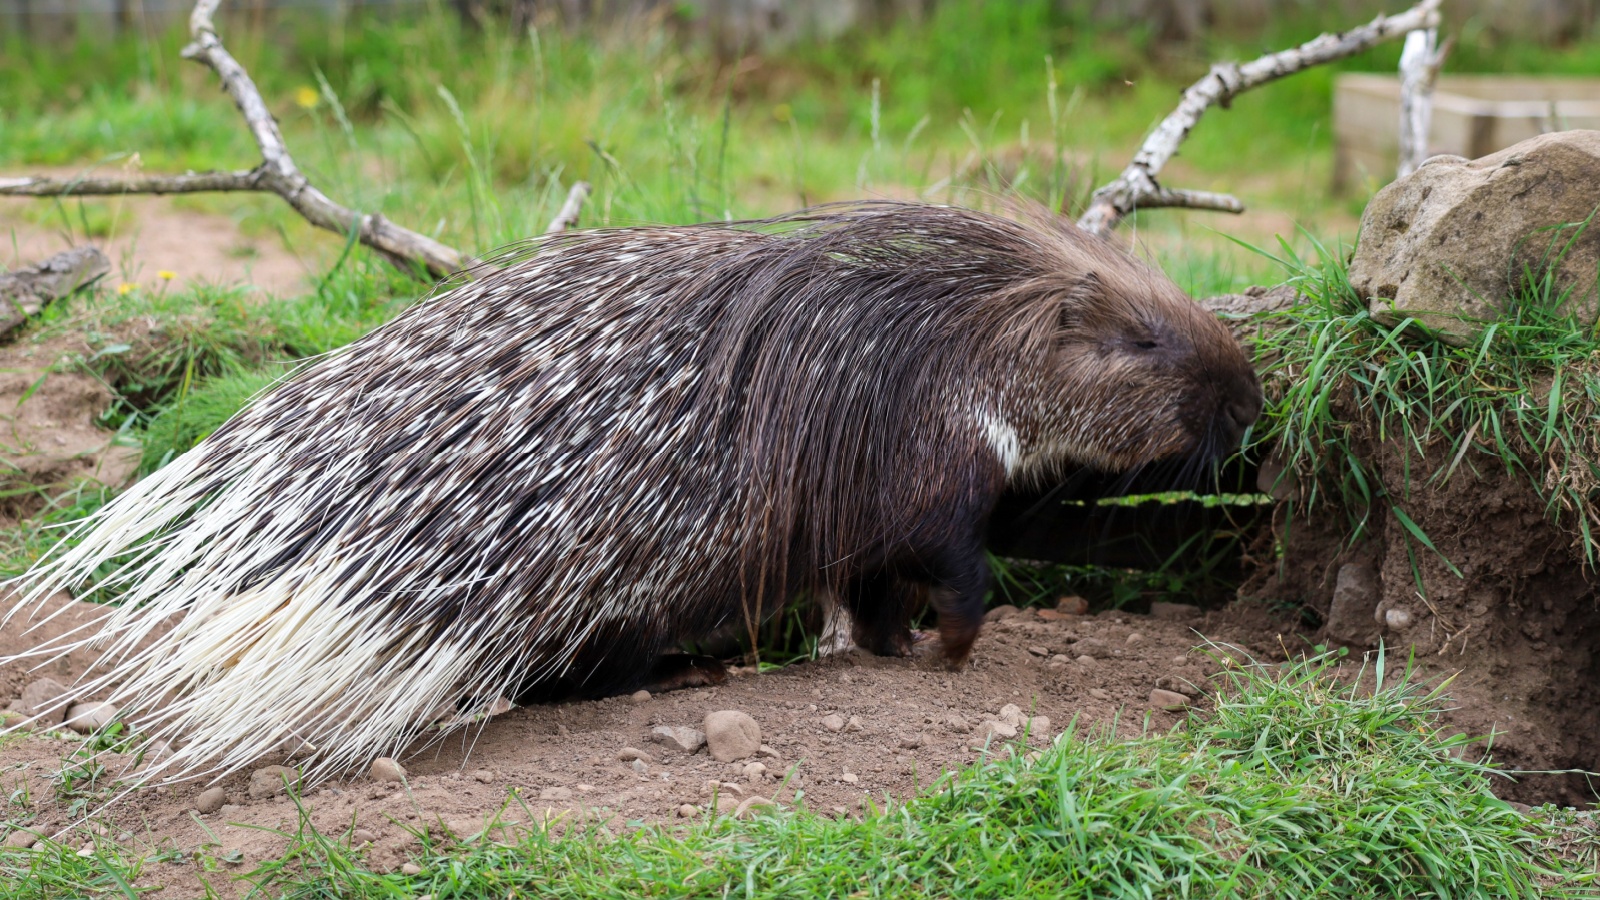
{"points": [[625, 440]]}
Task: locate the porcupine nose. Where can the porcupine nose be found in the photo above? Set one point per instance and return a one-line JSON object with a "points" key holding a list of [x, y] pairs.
{"points": [[1241, 409]]}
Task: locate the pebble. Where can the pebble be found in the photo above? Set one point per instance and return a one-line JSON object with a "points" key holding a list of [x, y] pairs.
{"points": [[853, 724], [271, 781], [1396, 618], [1091, 646], [1038, 727], [555, 794], [410, 869], [1039, 651], [21, 840], [90, 717], [910, 741], [1011, 714], [687, 810], [639, 697], [1180, 660], [211, 800], [39, 695], [849, 778], [1051, 615], [678, 737], [834, 722], [768, 751], [731, 735], [1072, 605], [1099, 694], [1003, 611], [364, 836], [386, 770], [958, 724], [1085, 660], [1161, 609], [1135, 639], [755, 770], [997, 729], [629, 754], [501, 706], [1166, 699], [1177, 685], [640, 766], [483, 776]]}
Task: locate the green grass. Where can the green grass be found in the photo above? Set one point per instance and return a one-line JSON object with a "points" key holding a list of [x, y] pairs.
{"points": [[1522, 392], [1302, 782]]}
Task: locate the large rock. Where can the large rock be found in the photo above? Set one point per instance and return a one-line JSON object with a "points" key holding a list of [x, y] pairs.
{"points": [[1448, 243]]}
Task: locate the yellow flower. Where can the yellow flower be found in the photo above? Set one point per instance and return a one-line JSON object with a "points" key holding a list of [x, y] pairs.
{"points": [[124, 288], [166, 274], [306, 97]]}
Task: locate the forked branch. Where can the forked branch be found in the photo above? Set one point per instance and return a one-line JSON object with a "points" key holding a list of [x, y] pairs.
{"points": [[277, 172], [1138, 188]]}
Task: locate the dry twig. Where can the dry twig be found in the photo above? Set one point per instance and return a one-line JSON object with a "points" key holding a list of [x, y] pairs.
{"points": [[277, 172], [1419, 72], [1137, 187], [568, 216]]}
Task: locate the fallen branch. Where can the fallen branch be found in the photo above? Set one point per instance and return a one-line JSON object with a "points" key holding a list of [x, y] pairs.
{"points": [[568, 216], [25, 293], [1419, 72], [277, 172], [1137, 187]]}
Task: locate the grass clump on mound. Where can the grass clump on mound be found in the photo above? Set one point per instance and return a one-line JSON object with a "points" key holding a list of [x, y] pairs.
{"points": [[1296, 785], [1524, 390]]}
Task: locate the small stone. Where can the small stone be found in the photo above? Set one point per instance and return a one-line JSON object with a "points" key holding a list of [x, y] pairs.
{"points": [[363, 836], [640, 766], [753, 806], [1396, 618], [720, 787], [1003, 611], [1165, 699], [849, 778], [1091, 646], [629, 754], [910, 742], [997, 729], [501, 706], [90, 717], [1038, 726], [755, 770], [1161, 609], [586, 788], [1177, 685], [958, 724], [639, 697], [678, 737], [834, 722], [1135, 639], [211, 800], [410, 869], [555, 794], [1099, 694], [1072, 605], [483, 776], [386, 771], [1050, 615], [271, 781], [1039, 651], [768, 751], [1180, 660], [845, 677], [1085, 660], [731, 735], [21, 840], [853, 724], [1011, 714], [43, 694], [687, 810]]}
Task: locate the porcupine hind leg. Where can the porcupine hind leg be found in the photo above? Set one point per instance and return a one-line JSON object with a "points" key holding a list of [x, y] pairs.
{"points": [[674, 671]]}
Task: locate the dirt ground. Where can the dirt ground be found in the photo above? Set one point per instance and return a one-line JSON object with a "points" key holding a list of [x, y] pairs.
{"points": [[838, 732]]}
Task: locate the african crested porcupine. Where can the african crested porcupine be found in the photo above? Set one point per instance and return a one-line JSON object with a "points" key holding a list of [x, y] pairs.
{"points": [[539, 483]]}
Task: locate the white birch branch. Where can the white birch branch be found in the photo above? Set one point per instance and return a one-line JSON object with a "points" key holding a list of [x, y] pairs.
{"points": [[1419, 72], [277, 172], [568, 216], [1137, 186]]}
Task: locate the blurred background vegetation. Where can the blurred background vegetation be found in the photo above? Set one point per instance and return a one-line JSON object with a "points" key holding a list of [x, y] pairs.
{"points": [[468, 120]]}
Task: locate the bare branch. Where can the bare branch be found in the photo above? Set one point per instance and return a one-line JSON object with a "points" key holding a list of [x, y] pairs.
{"points": [[276, 173], [1137, 183], [194, 182], [25, 292], [568, 216], [1170, 197], [1419, 72]]}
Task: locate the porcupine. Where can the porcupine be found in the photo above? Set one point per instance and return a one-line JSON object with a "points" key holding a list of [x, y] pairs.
{"points": [[539, 483]]}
